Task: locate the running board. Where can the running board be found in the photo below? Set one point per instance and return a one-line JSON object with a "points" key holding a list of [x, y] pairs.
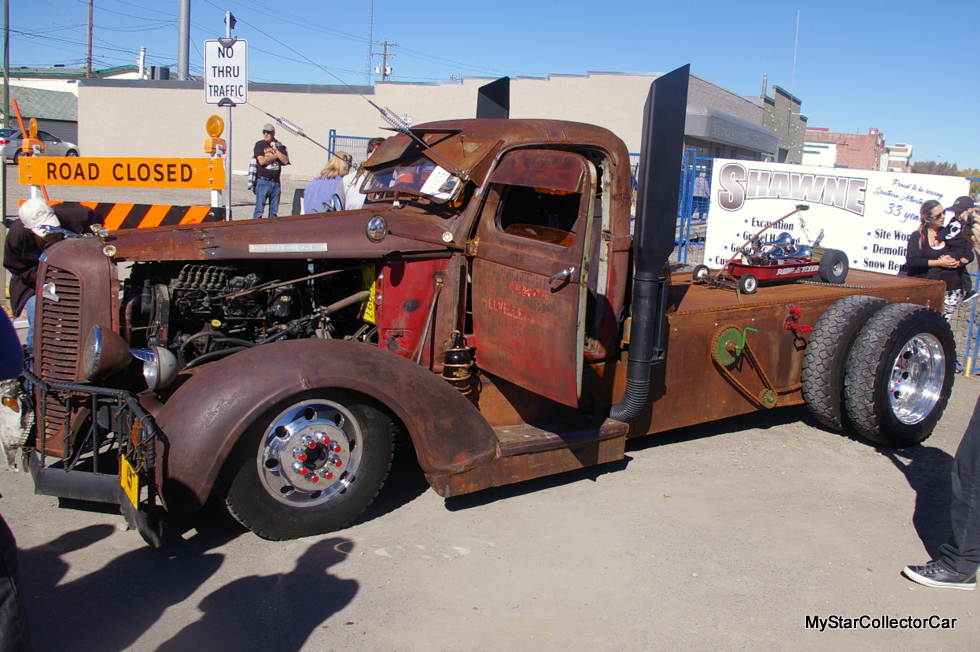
{"points": [[525, 452]]}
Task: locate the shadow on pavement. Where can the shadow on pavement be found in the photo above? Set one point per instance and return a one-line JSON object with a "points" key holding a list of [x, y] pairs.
{"points": [[272, 612], [405, 483], [927, 471], [110, 608]]}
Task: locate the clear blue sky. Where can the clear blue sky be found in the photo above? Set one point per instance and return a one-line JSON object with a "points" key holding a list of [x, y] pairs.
{"points": [[910, 69]]}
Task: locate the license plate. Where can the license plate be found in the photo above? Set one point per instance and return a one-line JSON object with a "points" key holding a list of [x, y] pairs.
{"points": [[369, 281], [129, 481]]}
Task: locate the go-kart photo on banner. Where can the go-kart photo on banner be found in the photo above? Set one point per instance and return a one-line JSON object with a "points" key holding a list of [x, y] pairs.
{"points": [[864, 213]]}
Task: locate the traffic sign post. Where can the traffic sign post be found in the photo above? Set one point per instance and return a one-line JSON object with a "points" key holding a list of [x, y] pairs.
{"points": [[226, 83], [226, 72]]}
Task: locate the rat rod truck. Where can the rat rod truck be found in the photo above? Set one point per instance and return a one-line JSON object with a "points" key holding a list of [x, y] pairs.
{"points": [[488, 303]]}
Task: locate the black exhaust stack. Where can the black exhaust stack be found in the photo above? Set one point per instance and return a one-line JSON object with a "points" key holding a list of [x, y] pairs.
{"points": [[658, 189], [493, 99]]}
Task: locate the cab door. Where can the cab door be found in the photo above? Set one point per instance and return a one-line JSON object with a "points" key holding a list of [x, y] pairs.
{"points": [[529, 274]]}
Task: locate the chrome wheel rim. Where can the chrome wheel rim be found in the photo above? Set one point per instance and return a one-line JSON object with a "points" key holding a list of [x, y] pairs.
{"points": [[838, 268], [917, 377], [310, 453]]}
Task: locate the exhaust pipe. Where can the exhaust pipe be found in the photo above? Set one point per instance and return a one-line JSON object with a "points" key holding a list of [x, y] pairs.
{"points": [[658, 188]]}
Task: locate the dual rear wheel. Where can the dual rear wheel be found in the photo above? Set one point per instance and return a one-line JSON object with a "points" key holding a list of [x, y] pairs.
{"points": [[882, 370]]}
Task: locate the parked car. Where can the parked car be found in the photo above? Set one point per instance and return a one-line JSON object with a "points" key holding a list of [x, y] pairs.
{"points": [[10, 140]]}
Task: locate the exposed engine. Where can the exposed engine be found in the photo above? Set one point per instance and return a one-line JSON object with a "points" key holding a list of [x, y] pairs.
{"points": [[201, 312]]}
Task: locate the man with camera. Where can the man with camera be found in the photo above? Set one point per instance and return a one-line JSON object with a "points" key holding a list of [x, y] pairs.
{"points": [[270, 155]]}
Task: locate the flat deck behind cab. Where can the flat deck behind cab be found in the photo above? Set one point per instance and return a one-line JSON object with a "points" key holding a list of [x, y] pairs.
{"points": [[692, 388]]}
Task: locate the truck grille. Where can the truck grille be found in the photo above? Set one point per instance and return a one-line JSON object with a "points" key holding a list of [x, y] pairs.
{"points": [[59, 329]]}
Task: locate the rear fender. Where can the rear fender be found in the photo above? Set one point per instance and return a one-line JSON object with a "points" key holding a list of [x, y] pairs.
{"points": [[203, 420]]}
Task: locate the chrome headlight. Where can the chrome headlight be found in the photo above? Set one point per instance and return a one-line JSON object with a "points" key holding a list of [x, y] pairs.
{"points": [[104, 353], [159, 366]]}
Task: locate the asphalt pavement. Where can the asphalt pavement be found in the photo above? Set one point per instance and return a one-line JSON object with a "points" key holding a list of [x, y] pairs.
{"points": [[736, 535]]}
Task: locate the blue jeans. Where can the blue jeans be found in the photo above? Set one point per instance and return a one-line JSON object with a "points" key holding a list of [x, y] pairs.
{"points": [[29, 311], [266, 189], [962, 553]]}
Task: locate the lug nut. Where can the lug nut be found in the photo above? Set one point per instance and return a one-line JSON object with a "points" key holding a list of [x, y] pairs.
{"points": [[335, 447], [327, 475], [308, 442], [299, 468], [299, 454], [336, 461], [321, 437], [313, 478]]}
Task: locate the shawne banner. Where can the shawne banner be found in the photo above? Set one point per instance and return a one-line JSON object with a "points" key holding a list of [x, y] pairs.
{"points": [[864, 213]]}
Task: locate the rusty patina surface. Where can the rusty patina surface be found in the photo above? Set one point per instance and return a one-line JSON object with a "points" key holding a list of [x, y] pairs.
{"points": [[690, 388]]}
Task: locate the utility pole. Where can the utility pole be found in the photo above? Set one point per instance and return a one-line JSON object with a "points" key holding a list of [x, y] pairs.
{"points": [[384, 70], [370, 39], [88, 59], [183, 38], [6, 122]]}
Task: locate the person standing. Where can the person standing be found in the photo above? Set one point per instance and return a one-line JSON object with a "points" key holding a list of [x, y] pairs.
{"points": [[928, 255], [319, 194], [352, 197], [955, 567], [26, 241], [270, 155], [959, 238]]}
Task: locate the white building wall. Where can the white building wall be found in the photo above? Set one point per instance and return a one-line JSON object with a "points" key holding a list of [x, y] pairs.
{"points": [[167, 119]]}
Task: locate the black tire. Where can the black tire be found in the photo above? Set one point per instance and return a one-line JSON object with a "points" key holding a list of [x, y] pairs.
{"points": [[17, 156], [71, 153], [900, 374], [700, 272], [833, 266], [265, 489], [748, 284], [825, 360]]}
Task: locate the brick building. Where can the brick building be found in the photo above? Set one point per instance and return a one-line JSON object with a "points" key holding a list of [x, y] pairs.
{"points": [[860, 151]]}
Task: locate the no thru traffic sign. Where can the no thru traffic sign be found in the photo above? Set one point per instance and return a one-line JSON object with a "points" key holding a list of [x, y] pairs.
{"points": [[226, 73]]}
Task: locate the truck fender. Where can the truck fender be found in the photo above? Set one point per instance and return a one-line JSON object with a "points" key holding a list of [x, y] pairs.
{"points": [[205, 417]]}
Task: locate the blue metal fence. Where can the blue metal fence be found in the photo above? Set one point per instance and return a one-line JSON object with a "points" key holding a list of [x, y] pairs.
{"points": [[356, 146], [692, 206]]}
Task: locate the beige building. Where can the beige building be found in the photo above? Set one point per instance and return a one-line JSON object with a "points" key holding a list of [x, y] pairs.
{"points": [[166, 118]]}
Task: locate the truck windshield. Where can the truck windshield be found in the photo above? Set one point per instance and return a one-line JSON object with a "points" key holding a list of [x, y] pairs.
{"points": [[413, 175]]}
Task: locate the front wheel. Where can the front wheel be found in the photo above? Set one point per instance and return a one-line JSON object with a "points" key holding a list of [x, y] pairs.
{"points": [[748, 284], [71, 153], [310, 465], [700, 273], [900, 375]]}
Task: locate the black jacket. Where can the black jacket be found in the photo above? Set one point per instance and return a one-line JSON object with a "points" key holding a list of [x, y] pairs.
{"points": [[22, 253]]}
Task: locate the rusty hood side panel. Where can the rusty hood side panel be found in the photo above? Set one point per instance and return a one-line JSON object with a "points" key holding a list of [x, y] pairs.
{"points": [[330, 235]]}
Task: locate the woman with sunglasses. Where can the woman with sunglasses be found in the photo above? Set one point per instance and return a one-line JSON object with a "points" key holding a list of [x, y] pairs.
{"points": [[928, 255]]}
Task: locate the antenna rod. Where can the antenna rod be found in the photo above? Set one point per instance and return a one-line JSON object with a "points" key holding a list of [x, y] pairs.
{"points": [[796, 43]]}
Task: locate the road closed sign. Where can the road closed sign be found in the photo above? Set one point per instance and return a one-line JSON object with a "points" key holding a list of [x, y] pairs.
{"points": [[226, 73], [184, 173]]}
